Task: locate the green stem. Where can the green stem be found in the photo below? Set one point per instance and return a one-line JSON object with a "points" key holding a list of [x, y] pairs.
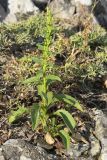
{"points": [[47, 41], [44, 78]]}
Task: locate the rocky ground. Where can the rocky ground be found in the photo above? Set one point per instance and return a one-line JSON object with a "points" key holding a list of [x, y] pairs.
{"points": [[88, 143]]}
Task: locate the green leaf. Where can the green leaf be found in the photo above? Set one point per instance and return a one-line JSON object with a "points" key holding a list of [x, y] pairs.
{"points": [[34, 79], [40, 90], [15, 115], [36, 59], [30, 59], [40, 47], [51, 100], [69, 100], [50, 97], [53, 121], [35, 115], [50, 64], [50, 78], [67, 118], [47, 96], [65, 138], [50, 53]]}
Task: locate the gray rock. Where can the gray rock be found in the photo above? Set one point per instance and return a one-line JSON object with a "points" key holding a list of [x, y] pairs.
{"points": [[100, 12], [95, 147], [77, 150], [62, 9], [2, 13], [17, 8], [104, 3], [2, 158], [101, 131], [24, 158], [104, 149], [41, 4], [4, 4], [1, 155], [22, 150], [41, 1]]}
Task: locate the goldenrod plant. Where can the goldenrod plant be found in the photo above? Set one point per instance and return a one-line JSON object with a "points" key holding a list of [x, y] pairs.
{"points": [[40, 112]]}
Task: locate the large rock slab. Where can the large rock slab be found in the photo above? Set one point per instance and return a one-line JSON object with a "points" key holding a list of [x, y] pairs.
{"points": [[17, 149]]}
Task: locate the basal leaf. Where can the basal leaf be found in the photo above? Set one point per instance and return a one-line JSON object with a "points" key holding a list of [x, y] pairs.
{"points": [[15, 115], [65, 138], [67, 118], [69, 100], [35, 115]]}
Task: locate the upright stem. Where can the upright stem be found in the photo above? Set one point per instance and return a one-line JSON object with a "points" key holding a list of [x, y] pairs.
{"points": [[47, 42]]}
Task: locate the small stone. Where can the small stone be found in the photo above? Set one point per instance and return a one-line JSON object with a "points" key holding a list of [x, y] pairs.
{"points": [[62, 9], [100, 131], [2, 158], [22, 157], [95, 148], [105, 81], [103, 157]]}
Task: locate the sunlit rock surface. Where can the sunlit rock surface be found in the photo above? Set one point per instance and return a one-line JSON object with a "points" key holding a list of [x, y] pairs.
{"points": [[85, 2], [17, 8]]}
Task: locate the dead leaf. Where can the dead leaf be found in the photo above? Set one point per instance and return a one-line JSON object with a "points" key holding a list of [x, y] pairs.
{"points": [[49, 138], [105, 83], [67, 130]]}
